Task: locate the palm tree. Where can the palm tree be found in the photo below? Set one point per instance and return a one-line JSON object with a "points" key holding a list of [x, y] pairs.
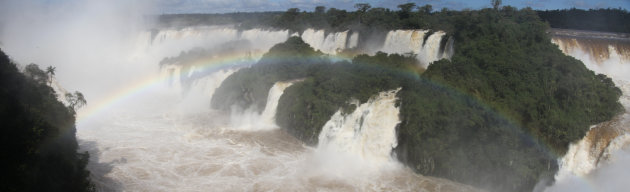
{"points": [[51, 72]]}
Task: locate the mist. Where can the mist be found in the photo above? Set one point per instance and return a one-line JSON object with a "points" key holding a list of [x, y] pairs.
{"points": [[612, 176], [91, 43]]}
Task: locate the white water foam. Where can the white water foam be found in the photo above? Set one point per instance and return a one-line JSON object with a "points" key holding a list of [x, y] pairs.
{"points": [[368, 134], [360, 143], [166, 151]]}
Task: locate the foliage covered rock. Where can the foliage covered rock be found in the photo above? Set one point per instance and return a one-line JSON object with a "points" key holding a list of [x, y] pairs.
{"points": [[39, 146]]}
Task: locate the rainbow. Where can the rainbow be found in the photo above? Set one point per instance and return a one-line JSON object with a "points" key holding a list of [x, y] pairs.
{"points": [[136, 88], [237, 60], [204, 65]]}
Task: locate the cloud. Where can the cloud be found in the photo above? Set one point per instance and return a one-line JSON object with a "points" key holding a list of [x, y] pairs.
{"points": [[581, 4]]}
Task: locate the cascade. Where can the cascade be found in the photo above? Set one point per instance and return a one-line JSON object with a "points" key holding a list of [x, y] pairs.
{"points": [[200, 92], [431, 50], [172, 75], [412, 42], [398, 41], [313, 37], [251, 120], [606, 144], [354, 40], [334, 42], [366, 135], [268, 116], [263, 40], [606, 56]]}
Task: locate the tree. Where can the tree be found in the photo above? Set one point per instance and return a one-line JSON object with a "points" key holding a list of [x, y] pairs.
{"points": [[426, 9], [34, 72], [51, 72], [320, 9], [75, 100], [496, 4], [407, 7], [289, 18], [405, 10], [362, 7]]}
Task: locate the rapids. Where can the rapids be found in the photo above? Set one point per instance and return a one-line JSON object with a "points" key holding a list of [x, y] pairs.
{"points": [[171, 150]]}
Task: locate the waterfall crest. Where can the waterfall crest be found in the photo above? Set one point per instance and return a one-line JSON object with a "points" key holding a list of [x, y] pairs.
{"points": [[398, 41], [412, 42], [606, 56]]}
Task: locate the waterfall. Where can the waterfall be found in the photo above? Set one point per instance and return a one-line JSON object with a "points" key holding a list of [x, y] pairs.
{"points": [[398, 41], [412, 42], [334, 42], [606, 146], [403, 41], [172, 75], [268, 116], [315, 38], [364, 137], [263, 40], [600, 142], [251, 120], [354, 40], [200, 92], [606, 56]]}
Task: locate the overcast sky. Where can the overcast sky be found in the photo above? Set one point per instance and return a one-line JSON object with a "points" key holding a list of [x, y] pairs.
{"points": [[221, 6]]}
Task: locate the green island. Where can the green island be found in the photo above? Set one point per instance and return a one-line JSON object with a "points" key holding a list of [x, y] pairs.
{"points": [[497, 115]]}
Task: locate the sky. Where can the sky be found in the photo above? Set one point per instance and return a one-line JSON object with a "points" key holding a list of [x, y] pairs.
{"points": [[222, 6]]}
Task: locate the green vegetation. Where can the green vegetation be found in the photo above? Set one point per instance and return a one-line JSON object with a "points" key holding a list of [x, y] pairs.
{"points": [[610, 20], [305, 107], [248, 88], [505, 60], [496, 116], [39, 147]]}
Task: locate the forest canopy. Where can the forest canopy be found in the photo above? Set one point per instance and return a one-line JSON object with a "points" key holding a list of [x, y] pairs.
{"points": [[407, 16]]}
